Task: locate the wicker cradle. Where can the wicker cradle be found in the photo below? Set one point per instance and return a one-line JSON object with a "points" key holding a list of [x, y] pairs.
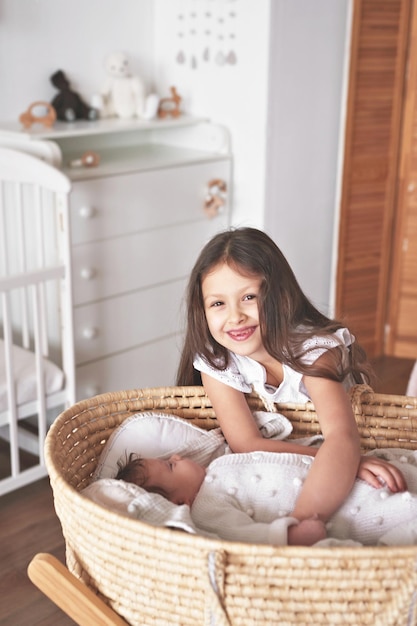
{"points": [[144, 575]]}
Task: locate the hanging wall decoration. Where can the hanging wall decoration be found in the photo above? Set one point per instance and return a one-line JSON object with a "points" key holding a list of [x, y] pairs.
{"points": [[206, 33]]}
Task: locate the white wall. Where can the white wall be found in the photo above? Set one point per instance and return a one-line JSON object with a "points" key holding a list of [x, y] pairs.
{"points": [[38, 37], [283, 103], [281, 99], [235, 95], [306, 106]]}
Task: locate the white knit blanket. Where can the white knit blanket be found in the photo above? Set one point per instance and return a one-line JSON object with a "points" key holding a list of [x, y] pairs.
{"points": [[135, 502]]}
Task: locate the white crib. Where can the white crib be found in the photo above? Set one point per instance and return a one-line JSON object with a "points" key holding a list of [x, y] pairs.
{"points": [[37, 372]]}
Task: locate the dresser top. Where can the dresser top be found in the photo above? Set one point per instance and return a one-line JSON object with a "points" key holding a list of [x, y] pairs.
{"points": [[15, 130]]}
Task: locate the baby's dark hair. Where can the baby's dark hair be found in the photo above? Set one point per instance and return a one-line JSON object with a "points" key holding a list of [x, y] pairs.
{"points": [[287, 317], [132, 470]]}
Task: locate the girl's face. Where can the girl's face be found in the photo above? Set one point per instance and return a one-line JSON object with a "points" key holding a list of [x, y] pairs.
{"points": [[231, 308]]}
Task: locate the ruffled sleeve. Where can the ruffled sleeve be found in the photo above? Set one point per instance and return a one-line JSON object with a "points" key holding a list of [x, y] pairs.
{"points": [[230, 376], [316, 346]]}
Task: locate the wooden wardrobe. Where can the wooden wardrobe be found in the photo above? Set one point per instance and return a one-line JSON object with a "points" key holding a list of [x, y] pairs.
{"points": [[376, 292]]}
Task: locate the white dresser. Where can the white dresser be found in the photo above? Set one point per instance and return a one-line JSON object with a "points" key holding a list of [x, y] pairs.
{"points": [[138, 223]]}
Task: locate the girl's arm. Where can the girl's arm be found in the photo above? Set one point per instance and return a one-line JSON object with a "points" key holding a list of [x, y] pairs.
{"points": [[336, 463], [238, 424], [242, 434]]}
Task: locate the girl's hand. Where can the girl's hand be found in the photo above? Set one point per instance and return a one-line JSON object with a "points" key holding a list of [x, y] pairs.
{"points": [[377, 472], [307, 532]]}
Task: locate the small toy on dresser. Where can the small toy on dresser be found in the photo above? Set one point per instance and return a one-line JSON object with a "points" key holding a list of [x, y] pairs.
{"points": [[170, 106], [68, 104], [124, 94], [39, 112]]}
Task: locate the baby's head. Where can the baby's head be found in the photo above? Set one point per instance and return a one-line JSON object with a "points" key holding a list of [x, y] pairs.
{"points": [[177, 479]]}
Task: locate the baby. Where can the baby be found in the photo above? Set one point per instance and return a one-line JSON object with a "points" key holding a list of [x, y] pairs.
{"points": [[249, 497], [180, 481]]}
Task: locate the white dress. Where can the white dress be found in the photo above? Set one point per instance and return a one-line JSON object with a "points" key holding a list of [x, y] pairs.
{"points": [[245, 374]]}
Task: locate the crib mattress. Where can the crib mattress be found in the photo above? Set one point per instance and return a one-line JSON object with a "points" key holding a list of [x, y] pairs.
{"points": [[25, 377]]}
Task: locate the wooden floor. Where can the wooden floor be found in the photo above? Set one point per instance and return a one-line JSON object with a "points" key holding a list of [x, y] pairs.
{"points": [[29, 525], [392, 374]]}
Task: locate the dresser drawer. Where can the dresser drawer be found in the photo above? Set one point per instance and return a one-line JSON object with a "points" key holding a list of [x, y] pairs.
{"points": [[128, 320], [151, 365], [106, 268], [103, 208]]}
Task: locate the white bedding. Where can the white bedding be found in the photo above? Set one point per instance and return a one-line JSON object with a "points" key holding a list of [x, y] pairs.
{"points": [[160, 435], [25, 376], [153, 434]]}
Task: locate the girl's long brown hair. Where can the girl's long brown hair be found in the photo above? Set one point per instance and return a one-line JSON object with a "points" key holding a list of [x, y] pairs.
{"points": [[287, 317]]}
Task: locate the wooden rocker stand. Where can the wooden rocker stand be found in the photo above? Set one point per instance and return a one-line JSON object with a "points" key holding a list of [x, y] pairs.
{"points": [[121, 570]]}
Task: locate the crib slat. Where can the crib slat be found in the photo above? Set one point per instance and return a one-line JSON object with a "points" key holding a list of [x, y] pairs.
{"points": [[70, 594], [4, 261], [40, 226], [39, 209], [50, 273], [11, 391], [22, 260], [40, 375], [63, 242]]}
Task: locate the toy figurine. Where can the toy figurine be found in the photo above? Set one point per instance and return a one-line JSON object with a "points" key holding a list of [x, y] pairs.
{"points": [[30, 117], [170, 106], [124, 94], [68, 104]]}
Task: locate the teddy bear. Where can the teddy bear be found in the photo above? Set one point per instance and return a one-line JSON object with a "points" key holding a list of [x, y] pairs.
{"points": [[123, 94], [68, 104]]}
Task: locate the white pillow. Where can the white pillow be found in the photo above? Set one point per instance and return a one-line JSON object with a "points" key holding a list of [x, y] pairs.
{"points": [[133, 501], [160, 435], [157, 435]]}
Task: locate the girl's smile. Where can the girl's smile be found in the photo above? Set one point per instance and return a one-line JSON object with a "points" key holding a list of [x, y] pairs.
{"points": [[242, 334], [231, 308]]}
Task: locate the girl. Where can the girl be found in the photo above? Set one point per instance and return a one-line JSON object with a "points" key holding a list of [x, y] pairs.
{"points": [[250, 327]]}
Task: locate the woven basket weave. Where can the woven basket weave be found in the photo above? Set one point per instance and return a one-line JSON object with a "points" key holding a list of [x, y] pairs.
{"points": [[157, 576]]}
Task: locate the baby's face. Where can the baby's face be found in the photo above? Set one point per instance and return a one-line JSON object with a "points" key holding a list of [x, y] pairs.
{"points": [[177, 479]]}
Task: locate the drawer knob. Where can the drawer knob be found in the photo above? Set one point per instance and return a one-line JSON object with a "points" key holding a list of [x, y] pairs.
{"points": [[215, 197], [87, 273], [90, 333], [86, 212]]}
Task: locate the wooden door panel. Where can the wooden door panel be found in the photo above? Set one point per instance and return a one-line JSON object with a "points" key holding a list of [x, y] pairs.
{"points": [[402, 337], [374, 109], [402, 294]]}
